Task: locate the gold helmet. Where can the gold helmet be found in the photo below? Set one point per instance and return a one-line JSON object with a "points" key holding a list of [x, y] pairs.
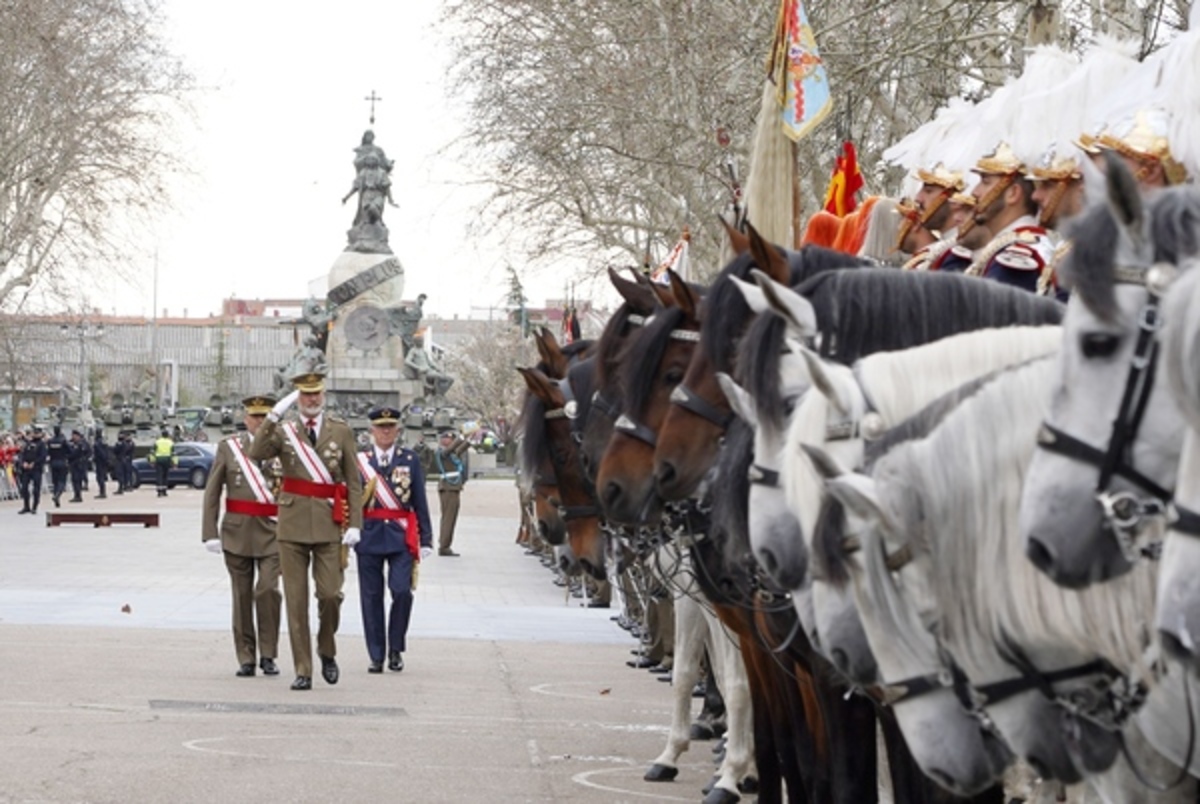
{"points": [[1143, 137], [1001, 162], [941, 176], [1054, 166]]}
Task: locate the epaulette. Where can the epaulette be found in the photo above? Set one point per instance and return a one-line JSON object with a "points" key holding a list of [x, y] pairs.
{"points": [[333, 417], [962, 251], [1019, 257]]}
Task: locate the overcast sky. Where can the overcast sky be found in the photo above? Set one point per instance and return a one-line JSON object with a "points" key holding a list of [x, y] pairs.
{"points": [[280, 111]]}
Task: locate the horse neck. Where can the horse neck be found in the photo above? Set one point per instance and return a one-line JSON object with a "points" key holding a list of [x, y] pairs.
{"points": [[903, 382]]}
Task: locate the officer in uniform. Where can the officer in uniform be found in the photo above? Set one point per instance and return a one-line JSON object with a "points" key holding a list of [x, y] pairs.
{"points": [[1058, 192], [1010, 245], [164, 459], [925, 231], [1141, 140], [80, 453], [32, 461], [123, 459], [396, 535], [102, 459], [246, 538], [58, 454], [452, 474], [316, 515]]}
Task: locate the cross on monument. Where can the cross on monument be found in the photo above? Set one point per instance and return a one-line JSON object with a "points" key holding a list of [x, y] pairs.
{"points": [[372, 98]]}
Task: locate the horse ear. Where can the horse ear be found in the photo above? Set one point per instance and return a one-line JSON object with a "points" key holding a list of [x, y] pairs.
{"points": [[685, 298], [635, 293], [767, 257], [753, 295], [741, 401], [738, 242], [824, 382], [1125, 201], [859, 494], [789, 305], [551, 354], [823, 462], [538, 383]]}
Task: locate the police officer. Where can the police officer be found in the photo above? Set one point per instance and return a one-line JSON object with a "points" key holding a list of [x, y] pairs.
{"points": [[452, 474], [102, 457], [319, 511], [123, 460], [164, 458], [246, 538], [32, 461], [396, 535], [79, 453], [58, 454]]}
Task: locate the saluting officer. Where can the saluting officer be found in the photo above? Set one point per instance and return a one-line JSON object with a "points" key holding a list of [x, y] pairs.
{"points": [[316, 517], [247, 539], [396, 535]]}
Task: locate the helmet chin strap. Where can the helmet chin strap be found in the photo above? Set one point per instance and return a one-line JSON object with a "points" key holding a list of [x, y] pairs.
{"points": [[1051, 207], [997, 190]]}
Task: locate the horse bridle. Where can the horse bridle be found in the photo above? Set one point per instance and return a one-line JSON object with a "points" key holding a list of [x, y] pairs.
{"points": [[1125, 511], [635, 429], [570, 411]]}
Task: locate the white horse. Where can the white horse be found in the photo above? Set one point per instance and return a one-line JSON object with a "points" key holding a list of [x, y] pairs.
{"points": [[941, 554]]}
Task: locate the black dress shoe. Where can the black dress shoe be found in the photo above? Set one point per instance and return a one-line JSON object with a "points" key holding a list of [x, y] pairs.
{"points": [[448, 552], [395, 661], [246, 670], [329, 670], [375, 667], [658, 669], [268, 666], [302, 683], [641, 663], [596, 604], [25, 511]]}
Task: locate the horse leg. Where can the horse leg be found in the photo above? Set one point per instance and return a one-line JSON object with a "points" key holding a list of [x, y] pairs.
{"points": [[730, 672], [689, 646], [708, 723]]}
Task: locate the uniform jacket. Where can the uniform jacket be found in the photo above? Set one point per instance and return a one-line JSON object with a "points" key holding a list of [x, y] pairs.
{"points": [[102, 456], [57, 451], [80, 453], [447, 462], [406, 480], [241, 535], [955, 259], [34, 453], [1016, 256], [309, 519]]}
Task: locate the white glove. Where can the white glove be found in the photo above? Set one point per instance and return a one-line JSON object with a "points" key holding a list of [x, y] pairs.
{"points": [[426, 552], [351, 537], [213, 546], [282, 406]]}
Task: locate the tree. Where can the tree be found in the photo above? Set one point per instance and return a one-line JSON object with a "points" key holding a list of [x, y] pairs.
{"points": [[487, 383], [516, 302], [595, 122], [88, 89]]}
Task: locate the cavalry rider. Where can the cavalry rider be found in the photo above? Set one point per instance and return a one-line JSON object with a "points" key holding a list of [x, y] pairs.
{"points": [[396, 535], [1010, 246], [318, 513], [1141, 140], [927, 219], [1058, 192], [246, 539]]}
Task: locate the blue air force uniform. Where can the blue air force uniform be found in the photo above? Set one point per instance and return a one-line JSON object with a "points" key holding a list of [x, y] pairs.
{"points": [[387, 553]]}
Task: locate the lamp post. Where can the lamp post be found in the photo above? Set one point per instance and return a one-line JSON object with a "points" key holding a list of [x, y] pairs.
{"points": [[84, 331]]}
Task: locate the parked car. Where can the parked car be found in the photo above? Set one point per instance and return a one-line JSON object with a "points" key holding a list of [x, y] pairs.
{"points": [[195, 461]]}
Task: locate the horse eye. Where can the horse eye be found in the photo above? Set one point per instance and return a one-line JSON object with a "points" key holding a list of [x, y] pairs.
{"points": [[673, 377], [1099, 344]]}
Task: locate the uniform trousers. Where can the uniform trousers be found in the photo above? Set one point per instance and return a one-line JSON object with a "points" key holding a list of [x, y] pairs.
{"points": [[449, 503], [326, 560], [250, 598], [390, 633], [31, 488], [58, 480]]}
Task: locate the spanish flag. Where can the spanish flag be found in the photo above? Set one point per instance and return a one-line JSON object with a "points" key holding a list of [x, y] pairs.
{"points": [[844, 183]]}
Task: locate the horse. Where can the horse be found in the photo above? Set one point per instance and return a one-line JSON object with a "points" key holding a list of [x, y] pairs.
{"points": [[939, 563], [1109, 449]]}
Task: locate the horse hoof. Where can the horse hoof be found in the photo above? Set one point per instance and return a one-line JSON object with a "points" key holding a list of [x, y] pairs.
{"points": [[749, 786], [720, 795], [661, 773], [719, 746], [718, 728], [700, 732], [708, 788]]}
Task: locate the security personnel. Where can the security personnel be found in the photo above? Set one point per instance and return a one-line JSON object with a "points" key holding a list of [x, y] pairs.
{"points": [[123, 460], [102, 457], [452, 474], [164, 459], [1010, 245], [80, 453], [316, 516], [396, 535], [58, 454], [246, 538], [32, 461]]}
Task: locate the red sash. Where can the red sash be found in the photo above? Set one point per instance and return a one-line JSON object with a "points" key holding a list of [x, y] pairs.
{"points": [[407, 518], [251, 508], [328, 491]]}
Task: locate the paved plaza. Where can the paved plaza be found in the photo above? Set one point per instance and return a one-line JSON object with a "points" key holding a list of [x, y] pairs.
{"points": [[119, 678]]}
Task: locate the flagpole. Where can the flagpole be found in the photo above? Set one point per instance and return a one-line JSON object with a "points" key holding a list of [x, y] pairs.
{"points": [[797, 199]]}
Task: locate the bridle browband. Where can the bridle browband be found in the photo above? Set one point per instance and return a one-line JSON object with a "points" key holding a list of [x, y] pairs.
{"points": [[692, 402], [1125, 511]]}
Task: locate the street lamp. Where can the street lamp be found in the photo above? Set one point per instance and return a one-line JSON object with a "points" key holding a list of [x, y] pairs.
{"points": [[84, 331]]}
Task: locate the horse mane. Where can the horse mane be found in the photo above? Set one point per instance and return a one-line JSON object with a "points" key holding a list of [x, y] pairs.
{"points": [[1089, 270], [872, 309], [958, 491], [731, 507], [643, 354], [757, 368], [531, 424], [610, 342], [1180, 339], [582, 378]]}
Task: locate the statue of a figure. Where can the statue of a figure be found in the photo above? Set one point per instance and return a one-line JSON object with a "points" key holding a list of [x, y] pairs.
{"points": [[420, 365], [309, 359], [317, 316], [373, 184], [406, 319]]}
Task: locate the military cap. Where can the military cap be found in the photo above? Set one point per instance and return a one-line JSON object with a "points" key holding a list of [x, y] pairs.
{"points": [[941, 176], [1144, 137], [76, 431], [964, 199], [450, 431], [309, 382], [384, 415], [1001, 162], [259, 404]]}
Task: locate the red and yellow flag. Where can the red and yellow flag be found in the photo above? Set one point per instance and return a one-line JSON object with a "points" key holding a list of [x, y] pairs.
{"points": [[844, 183]]}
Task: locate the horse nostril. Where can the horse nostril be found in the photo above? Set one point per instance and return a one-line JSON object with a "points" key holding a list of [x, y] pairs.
{"points": [[840, 660], [1040, 554], [612, 493], [666, 474], [1174, 646], [768, 561]]}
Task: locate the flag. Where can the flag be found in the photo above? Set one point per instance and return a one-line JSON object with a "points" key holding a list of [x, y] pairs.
{"points": [[798, 72], [676, 260], [844, 183]]}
